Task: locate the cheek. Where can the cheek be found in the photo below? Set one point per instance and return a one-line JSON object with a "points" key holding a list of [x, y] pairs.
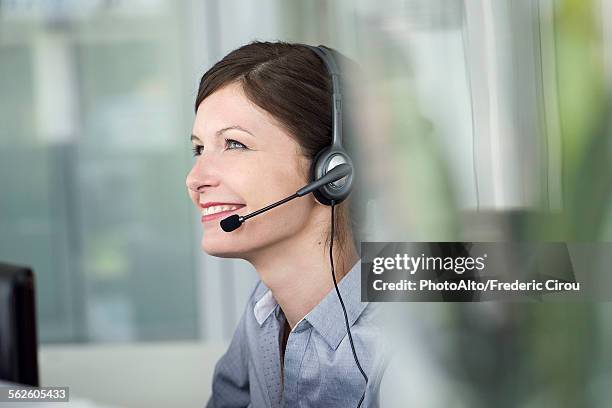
{"points": [[278, 181], [265, 180]]}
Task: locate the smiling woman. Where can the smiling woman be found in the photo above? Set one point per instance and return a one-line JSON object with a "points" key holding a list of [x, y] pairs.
{"points": [[263, 113]]}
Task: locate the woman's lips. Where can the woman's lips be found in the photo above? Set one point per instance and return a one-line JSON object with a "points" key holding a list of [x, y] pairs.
{"points": [[222, 214]]}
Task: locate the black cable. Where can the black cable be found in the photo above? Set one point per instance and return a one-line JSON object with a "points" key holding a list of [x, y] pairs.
{"points": [[348, 328]]}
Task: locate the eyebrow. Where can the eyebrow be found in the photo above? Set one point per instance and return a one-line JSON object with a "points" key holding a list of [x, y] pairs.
{"points": [[221, 131]]}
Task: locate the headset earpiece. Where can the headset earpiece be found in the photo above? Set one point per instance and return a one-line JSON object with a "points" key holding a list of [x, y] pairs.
{"points": [[334, 155], [323, 162]]}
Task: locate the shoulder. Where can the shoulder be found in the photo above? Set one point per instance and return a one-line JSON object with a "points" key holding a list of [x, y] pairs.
{"points": [[368, 325], [370, 338], [258, 291]]}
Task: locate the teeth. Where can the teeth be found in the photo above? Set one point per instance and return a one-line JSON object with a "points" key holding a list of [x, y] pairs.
{"points": [[218, 208]]}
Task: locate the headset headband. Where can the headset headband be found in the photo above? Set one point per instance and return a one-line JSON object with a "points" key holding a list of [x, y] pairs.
{"points": [[325, 54]]}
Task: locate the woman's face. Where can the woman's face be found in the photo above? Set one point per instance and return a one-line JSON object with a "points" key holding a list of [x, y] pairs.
{"points": [[246, 161]]}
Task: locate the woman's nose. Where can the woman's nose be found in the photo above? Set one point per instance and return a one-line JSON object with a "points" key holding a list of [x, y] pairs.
{"points": [[204, 173]]}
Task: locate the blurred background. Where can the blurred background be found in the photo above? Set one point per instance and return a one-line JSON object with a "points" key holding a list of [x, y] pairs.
{"points": [[481, 121]]}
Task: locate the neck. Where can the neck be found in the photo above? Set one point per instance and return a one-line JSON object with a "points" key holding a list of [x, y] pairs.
{"points": [[298, 271]]}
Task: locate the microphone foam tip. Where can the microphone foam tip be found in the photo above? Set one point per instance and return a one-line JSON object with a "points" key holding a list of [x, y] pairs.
{"points": [[231, 223]]}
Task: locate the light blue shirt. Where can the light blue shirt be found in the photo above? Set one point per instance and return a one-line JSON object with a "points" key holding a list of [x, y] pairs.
{"points": [[319, 368]]}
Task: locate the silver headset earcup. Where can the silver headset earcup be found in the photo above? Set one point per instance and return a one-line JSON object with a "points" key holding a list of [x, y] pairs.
{"points": [[323, 162]]}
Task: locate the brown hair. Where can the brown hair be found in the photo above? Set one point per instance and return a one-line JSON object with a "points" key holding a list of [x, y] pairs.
{"points": [[290, 82]]}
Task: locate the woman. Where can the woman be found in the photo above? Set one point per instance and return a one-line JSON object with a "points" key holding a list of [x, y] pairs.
{"points": [[262, 114]]}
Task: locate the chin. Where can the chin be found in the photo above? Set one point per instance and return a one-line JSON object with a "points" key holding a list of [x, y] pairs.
{"points": [[222, 248]]}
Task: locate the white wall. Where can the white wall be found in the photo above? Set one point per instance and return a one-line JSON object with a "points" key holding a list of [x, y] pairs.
{"points": [[152, 375]]}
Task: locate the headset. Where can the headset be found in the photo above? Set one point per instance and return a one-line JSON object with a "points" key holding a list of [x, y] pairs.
{"points": [[334, 155], [326, 160], [331, 180]]}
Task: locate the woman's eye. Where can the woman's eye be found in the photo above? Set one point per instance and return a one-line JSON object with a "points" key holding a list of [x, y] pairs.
{"points": [[234, 144], [197, 150], [230, 144]]}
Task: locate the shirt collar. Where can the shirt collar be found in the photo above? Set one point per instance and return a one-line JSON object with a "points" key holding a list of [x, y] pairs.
{"points": [[265, 305], [327, 317]]}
